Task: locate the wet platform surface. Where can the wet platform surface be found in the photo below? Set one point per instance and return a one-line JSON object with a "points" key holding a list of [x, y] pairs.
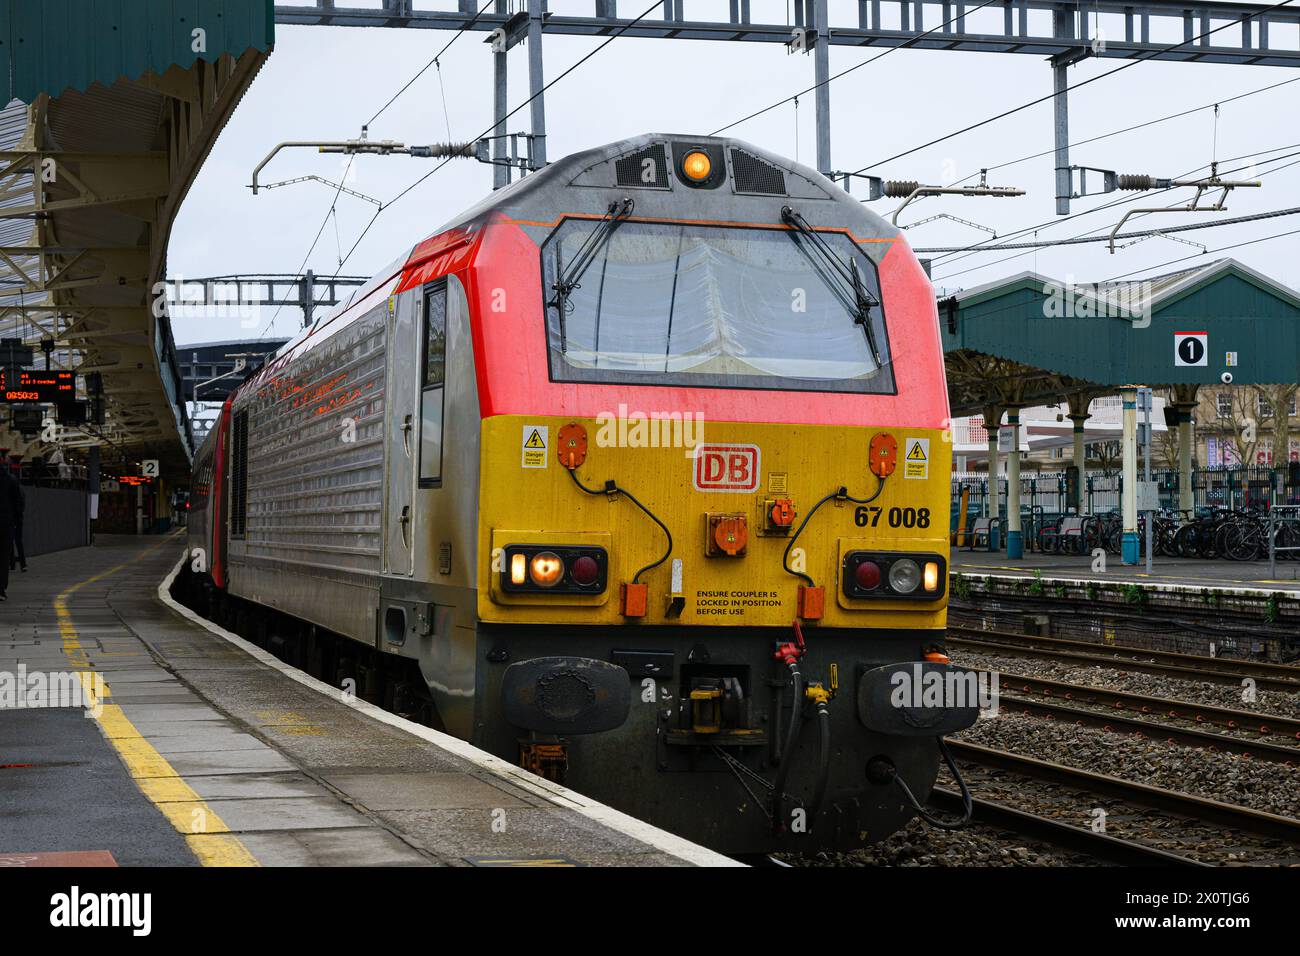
{"points": [[1165, 571], [198, 753]]}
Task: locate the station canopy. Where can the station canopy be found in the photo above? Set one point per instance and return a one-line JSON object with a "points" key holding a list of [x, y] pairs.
{"points": [[1031, 340], [112, 107]]}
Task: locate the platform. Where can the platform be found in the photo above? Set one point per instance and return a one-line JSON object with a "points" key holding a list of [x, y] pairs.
{"points": [[1166, 573], [199, 749]]}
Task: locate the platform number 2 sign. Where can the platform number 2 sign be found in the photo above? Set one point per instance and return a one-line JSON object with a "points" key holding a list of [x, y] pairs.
{"points": [[149, 468], [1191, 348]]}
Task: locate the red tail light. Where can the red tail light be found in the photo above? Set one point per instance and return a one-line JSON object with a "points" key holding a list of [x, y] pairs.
{"points": [[585, 570], [867, 575]]}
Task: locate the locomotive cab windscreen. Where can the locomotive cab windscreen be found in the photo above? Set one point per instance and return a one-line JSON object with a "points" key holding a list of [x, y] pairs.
{"points": [[713, 307]]}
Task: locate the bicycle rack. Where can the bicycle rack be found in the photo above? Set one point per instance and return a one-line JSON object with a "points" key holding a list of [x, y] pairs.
{"points": [[1291, 515]]}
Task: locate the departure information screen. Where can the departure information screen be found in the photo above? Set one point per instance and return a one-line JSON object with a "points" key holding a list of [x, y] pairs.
{"points": [[34, 386]]}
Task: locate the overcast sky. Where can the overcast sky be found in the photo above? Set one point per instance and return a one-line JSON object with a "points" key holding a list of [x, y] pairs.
{"points": [[325, 82]]}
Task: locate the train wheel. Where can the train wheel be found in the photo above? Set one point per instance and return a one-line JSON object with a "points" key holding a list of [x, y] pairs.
{"points": [[313, 652], [371, 681], [279, 643], [345, 673]]}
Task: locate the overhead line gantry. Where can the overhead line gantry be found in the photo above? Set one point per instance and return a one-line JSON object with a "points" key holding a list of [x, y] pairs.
{"points": [[1071, 32]]}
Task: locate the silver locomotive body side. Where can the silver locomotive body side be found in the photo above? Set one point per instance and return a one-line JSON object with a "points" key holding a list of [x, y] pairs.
{"points": [[311, 480], [337, 527], [428, 613]]}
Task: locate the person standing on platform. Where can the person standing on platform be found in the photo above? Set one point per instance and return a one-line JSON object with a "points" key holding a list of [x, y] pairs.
{"points": [[18, 553], [11, 509]]}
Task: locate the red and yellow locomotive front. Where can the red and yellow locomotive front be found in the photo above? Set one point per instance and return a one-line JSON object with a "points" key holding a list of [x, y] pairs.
{"points": [[714, 485]]}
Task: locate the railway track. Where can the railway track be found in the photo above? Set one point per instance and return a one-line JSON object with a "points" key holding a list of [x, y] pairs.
{"points": [[1239, 721], [1284, 677], [1033, 826], [1273, 753], [1258, 823]]}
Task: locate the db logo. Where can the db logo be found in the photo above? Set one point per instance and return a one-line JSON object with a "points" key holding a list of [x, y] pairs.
{"points": [[726, 468]]}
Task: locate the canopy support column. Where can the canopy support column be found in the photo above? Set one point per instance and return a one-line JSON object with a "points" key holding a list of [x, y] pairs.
{"points": [[1184, 403], [1015, 540], [1080, 461], [1131, 546], [992, 421]]}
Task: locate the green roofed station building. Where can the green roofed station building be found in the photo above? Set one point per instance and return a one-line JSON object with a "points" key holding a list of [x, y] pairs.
{"points": [[1030, 340], [111, 109]]}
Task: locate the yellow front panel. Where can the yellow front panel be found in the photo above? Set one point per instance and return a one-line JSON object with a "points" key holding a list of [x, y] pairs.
{"points": [[526, 490]]}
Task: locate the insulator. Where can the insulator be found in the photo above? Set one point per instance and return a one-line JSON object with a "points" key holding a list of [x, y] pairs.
{"points": [[451, 149], [901, 189], [1136, 181]]}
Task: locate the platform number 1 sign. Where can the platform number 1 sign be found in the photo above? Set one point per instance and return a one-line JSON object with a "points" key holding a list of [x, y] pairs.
{"points": [[149, 468], [1191, 348]]}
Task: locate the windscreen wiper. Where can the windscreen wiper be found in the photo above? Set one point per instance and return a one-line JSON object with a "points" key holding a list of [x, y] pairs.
{"points": [[863, 315], [823, 257], [585, 256]]}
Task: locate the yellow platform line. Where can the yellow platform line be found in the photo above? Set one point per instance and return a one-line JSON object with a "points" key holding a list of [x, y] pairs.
{"points": [[206, 834]]}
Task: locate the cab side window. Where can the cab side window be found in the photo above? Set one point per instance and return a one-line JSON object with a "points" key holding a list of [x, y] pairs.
{"points": [[239, 475], [433, 378]]}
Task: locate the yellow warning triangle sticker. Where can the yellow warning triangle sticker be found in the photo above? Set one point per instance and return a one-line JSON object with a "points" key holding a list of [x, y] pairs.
{"points": [[916, 453], [535, 440]]}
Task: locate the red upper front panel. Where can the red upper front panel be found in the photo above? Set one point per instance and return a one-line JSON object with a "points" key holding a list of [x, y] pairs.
{"points": [[504, 284]]}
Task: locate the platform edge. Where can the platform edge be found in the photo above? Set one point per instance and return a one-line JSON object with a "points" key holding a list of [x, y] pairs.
{"points": [[607, 816]]}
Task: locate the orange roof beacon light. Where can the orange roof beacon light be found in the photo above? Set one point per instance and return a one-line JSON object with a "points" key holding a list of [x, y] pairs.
{"points": [[697, 166], [882, 455]]}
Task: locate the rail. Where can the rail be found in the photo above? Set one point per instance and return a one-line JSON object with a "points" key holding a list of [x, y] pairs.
{"points": [[1196, 712], [1248, 820], [1065, 835], [1150, 730], [1267, 676]]}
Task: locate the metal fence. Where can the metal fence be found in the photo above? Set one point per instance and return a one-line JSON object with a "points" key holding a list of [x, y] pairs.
{"points": [[1048, 491], [1044, 496]]}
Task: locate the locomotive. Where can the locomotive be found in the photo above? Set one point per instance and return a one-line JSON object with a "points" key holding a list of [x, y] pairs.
{"points": [[635, 474]]}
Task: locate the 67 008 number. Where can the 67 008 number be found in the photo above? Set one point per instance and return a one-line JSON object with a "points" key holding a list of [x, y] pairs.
{"points": [[868, 516]]}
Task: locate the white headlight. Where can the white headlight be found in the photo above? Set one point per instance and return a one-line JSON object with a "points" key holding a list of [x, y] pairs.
{"points": [[904, 576]]}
